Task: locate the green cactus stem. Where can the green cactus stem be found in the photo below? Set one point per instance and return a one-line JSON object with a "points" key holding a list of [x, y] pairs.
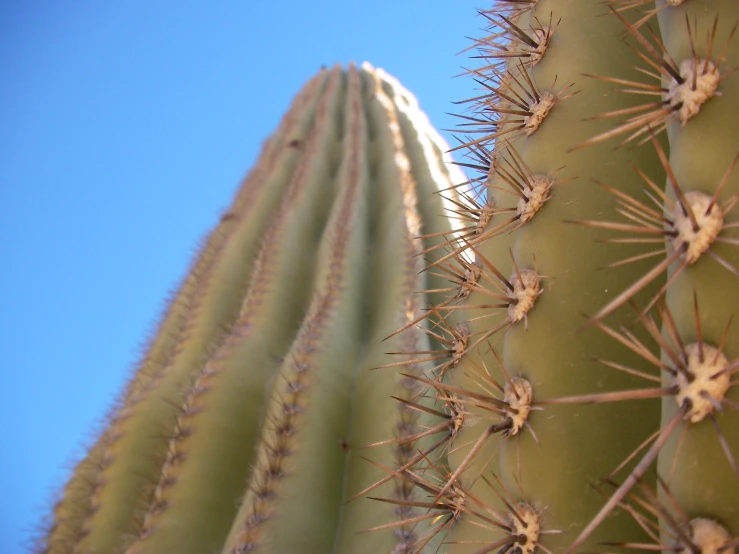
{"points": [[625, 432]]}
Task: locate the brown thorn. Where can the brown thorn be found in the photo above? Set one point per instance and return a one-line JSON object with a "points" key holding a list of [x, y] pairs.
{"points": [[635, 287], [492, 429], [633, 477], [724, 444]]}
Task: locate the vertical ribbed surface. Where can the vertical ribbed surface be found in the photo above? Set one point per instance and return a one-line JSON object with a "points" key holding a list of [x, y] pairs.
{"points": [[241, 429]]}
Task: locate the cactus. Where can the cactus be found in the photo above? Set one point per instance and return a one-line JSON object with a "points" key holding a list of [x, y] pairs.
{"points": [[241, 429], [560, 378], [593, 389]]}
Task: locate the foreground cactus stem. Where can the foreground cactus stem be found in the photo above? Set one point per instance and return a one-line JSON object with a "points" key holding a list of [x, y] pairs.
{"points": [[628, 342], [242, 428]]}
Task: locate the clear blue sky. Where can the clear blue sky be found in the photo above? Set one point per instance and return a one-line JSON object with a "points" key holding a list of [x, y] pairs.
{"points": [[124, 129]]}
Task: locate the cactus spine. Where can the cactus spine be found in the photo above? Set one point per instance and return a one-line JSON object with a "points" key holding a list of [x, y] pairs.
{"points": [[240, 430]]}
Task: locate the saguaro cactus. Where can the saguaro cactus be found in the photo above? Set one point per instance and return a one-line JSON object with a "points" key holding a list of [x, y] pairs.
{"points": [[591, 403], [563, 378], [239, 431]]}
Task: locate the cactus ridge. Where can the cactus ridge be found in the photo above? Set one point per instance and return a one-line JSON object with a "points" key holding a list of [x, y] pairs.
{"points": [[274, 270], [286, 420]]}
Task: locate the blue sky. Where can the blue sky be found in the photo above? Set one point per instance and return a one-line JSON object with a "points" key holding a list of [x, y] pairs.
{"points": [[125, 128]]}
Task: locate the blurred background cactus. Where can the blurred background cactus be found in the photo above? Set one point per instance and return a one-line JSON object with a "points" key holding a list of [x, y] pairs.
{"points": [[239, 431]]}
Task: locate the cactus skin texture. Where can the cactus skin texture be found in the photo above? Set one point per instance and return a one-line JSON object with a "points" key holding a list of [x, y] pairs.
{"points": [[593, 382], [240, 432]]}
